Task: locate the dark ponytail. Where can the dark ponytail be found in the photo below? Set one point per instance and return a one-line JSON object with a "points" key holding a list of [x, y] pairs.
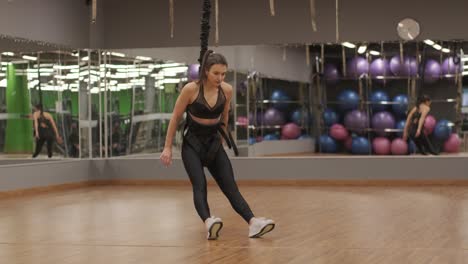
{"points": [[40, 108], [207, 57], [422, 99]]}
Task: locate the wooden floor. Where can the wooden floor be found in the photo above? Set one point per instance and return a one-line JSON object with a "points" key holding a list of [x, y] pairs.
{"points": [[151, 224]]}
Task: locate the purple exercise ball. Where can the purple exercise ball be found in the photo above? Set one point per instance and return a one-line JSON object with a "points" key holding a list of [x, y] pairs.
{"points": [[381, 121], [356, 121]]}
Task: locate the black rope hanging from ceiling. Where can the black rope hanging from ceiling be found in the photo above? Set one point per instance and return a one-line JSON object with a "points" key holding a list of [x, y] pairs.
{"points": [[205, 29]]}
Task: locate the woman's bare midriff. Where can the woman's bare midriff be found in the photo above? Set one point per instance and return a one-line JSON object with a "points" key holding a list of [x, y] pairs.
{"points": [[204, 121]]}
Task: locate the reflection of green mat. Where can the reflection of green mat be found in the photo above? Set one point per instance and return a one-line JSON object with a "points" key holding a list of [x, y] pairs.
{"points": [[19, 131]]}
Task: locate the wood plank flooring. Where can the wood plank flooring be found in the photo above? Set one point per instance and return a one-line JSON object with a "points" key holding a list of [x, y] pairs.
{"points": [[315, 224]]}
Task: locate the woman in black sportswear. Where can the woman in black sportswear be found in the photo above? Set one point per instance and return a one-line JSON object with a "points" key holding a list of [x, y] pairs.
{"points": [[207, 103], [414, 127]]}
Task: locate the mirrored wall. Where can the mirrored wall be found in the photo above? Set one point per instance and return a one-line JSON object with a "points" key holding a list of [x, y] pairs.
{"points": [[108, 104]]}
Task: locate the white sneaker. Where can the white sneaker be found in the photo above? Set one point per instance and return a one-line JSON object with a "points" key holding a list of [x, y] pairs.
{"points": [[213, 226], [260, 226]]}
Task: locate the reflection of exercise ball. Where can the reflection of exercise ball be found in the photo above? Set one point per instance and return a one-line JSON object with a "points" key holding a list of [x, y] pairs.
{"points": [[357, 66], [411, 147], [356, 121], [401, 105], [330, 117], [242, 121], [290, 131], [360, 146], [400, 125], [280, 96], [432, 71], [273, 117], [338, 132], [300, 117], [452, 144], [449, 66], [331, 74], [192, 72], [348, 142], [381, 146], [395, 65], [381, 121], [379, 67], [442, 130], [269, 137], [429, 124], [258, 120], [242, 87], [409, 67], [377, 97], [327, 144], [348, 99], [399, 147]]}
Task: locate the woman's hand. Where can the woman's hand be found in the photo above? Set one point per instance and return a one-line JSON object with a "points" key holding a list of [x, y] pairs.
{"points": [[166, 157], [418, 133], [405, 136]]}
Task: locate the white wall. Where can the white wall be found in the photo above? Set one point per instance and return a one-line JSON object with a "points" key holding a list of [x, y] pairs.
{"points": [[64, 22], [144, 24], [267, 60]]}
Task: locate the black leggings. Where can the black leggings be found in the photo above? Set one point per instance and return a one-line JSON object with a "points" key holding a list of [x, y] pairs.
{"points": [[424, 144], [40, 142], [221, 170]]}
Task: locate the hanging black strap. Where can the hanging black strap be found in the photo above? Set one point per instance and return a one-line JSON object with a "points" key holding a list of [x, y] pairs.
{"points": [[228, 138]]}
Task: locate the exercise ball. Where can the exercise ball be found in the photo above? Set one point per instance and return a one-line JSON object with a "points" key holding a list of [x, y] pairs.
{"points": [[379, 67], [452, 144], [357, 66], [443, 130], [381, 146], [273, 117], [429, 124], [338, 132], [290, 131], [192, 72], [381, 121], [401, 126], [256, 118], [300, 117], [348, 99], [360, 146], [432, 71], [411, 147], [348, 142], [399, 147], [280, 98], [242, 121], [409, 66], [356, 121], [449, 66], [327, 144], [331, 74], [242, 87], [330, 117], [377, 97], [269, 137], [400, 106]]}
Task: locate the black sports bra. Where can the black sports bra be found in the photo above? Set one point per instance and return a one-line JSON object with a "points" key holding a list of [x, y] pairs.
{"points": [[201, 109]]}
